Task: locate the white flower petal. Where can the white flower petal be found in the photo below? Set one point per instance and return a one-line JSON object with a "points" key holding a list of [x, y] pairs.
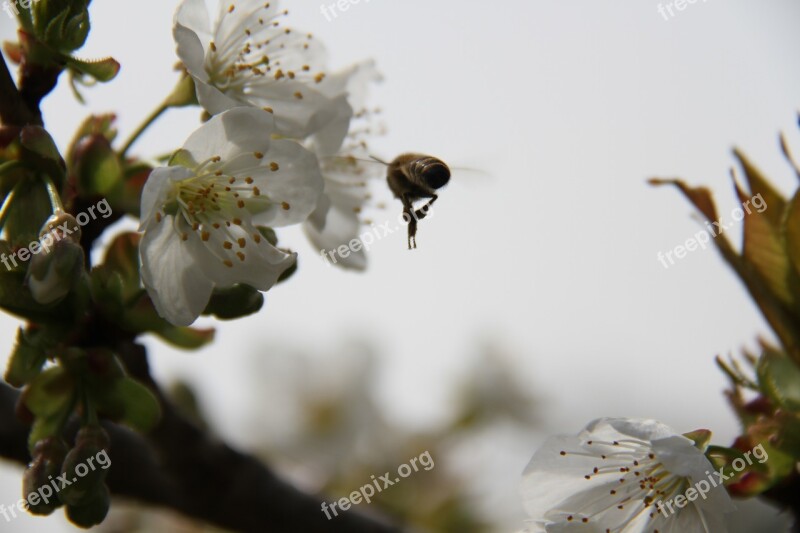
{"points": [[250, 259], [353, 82], [229, 134], [300, 110], [646, 430], [177, 285], [192, 33], [213, 100], [329, 138], [297, 183], [340, 226], [156, 189]]}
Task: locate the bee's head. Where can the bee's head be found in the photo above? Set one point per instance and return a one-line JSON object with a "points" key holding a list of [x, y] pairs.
{"points": [[436, 173]]}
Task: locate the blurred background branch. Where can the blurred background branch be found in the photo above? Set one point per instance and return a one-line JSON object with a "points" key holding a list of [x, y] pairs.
{"points": [[180, 467]]}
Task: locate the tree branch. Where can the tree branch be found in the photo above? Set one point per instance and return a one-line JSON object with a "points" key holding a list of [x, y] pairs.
{"points": [[177, 466], [13, 108]]}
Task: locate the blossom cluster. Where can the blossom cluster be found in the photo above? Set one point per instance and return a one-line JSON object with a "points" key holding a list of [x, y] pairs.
{"points": [[260, 162]]}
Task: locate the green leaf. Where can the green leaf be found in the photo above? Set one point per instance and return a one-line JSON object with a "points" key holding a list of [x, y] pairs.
{"points": [[96, 166], [50, 397], [49, 392], [47, 426], [791, 231], [141, 410], [787, 437], [759, 185], [103, 70], [107, 290], [37, 140], [26, 362], [775, 310], [779, 379], [125, 197], [93, 125], [700, 197], [123, 257], [29, 210], [763, 249]]}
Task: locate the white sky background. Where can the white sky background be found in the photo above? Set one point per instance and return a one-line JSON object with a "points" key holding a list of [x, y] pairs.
{"points": [[569, 106]]}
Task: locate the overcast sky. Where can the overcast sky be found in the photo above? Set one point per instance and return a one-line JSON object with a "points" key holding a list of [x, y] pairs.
{"points": [[568, 107]]}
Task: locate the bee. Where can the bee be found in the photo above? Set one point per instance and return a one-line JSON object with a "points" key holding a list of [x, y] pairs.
{"points": [[414, 177]]}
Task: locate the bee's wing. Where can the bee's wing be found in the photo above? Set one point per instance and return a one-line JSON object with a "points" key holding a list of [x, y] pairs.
{"points": [[469, 176], [352, 159]]}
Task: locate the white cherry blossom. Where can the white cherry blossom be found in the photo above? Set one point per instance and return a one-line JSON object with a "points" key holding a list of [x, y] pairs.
{"points": [[618, 475], [248, 58], [201, 214]]}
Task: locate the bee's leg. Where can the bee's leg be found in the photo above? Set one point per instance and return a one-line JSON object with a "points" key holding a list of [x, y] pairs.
{"points": [[422, 212], [412, 229], [410, 216]]}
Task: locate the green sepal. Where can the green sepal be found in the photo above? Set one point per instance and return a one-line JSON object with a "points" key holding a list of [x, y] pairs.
{"points": [[700, 437], [25, 363], [142, 317], [235, 302], [184, 94], [185, 337]]}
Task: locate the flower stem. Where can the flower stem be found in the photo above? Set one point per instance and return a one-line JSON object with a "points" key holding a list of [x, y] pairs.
{"points": [[55, 197], [89, 412], [5, 209], [143, 127], [182, 95]]}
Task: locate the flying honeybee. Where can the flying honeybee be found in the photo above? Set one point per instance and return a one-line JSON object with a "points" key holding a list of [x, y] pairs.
{"points": [[414, 177]]}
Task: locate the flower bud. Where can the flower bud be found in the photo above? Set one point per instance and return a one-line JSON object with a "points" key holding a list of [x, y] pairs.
{"points": [[93, 510], [82, 466], [61, 24], [63, 223], [48, 457], [58, 264]]}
